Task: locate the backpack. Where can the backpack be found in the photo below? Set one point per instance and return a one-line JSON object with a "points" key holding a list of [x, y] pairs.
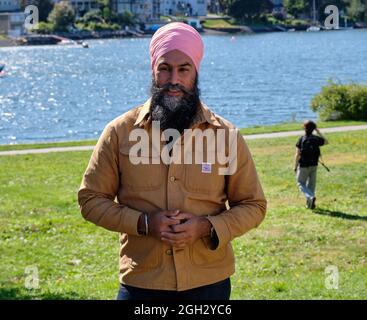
{"points": [[310, 151]]}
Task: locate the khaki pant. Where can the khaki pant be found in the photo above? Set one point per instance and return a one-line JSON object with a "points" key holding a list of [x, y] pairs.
{"points": [[306, 181]]}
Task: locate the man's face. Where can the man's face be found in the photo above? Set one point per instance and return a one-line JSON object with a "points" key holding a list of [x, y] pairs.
{"points": [[177, 69], [175, 92]]}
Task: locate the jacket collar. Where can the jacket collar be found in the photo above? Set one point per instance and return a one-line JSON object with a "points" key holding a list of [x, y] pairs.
{"points": [[203, 115]]}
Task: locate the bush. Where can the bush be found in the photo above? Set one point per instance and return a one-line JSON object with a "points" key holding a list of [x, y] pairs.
{"points": [[92, 16], [44, 28], [98, 26], [341, 102], [126, 18]]}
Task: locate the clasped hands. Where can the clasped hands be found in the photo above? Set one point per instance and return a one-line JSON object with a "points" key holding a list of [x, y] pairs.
{"points": [[176, 228]]}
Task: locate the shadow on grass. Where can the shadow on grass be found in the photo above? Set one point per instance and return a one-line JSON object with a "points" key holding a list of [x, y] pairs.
{"points": [[338, 214], [23, 294]]}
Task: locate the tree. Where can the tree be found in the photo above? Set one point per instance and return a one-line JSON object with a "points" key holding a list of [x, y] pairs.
{"points": [[298, 7], [357, 10], [92, 16], [44, 28], [61, 16], [127, 18], [246, 9], [106, 8]]}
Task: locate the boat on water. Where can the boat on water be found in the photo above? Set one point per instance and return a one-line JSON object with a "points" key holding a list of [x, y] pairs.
{"points": [[314, 27], [83, 43], [64, 41]]}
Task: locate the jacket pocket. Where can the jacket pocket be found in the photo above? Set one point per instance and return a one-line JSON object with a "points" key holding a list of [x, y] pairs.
{"points": [[203, 178], [139, 173], [202, 256], [141, 252]]}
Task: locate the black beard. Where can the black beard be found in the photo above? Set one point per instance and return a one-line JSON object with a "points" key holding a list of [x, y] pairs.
{"points": [[178, 115]]}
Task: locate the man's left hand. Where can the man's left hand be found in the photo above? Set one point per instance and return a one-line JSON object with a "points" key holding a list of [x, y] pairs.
{"points": [[194, 228]]}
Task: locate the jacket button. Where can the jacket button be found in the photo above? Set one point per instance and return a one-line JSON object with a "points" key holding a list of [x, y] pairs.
{"points": [[169, 252], [172, 179]]}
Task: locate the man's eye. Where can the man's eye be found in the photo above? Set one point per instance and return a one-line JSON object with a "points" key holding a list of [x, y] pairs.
{"points": [[163, 69], [184, 69]]}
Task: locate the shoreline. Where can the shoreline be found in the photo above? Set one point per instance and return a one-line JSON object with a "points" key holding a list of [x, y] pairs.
{"points": [[4, 43], [8, 42]]}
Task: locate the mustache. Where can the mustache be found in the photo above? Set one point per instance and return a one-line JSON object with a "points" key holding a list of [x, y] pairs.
{"points": [[175, 87], [181, 116]]}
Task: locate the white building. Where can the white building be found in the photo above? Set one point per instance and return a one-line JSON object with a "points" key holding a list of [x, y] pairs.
{"points": [[12, 23], [81, 7], [146, 10], [9, 5], [11, 18], [184, 7]]}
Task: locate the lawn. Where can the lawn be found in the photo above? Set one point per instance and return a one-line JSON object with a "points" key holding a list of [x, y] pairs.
{"points": [[6, 147], [286, 257], [293, 126], [218, 23]]}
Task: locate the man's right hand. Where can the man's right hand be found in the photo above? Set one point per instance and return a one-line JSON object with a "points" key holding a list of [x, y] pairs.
{"points": [[161, 221]]}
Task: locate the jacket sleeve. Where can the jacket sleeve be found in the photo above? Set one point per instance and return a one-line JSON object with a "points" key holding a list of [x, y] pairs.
{"points": [[247, 203], [100, 185]]}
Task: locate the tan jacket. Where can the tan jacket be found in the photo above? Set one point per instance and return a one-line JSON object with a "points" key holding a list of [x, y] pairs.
{"points": [[114, 192]]}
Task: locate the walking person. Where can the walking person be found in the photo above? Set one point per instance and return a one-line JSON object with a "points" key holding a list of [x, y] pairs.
{"points": [[306, 161]]}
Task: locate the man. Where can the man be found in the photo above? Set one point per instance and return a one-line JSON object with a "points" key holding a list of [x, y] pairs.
{"points": [[176, 220], [306, 161]]}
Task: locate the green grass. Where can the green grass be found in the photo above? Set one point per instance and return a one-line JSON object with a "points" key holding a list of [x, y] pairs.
{"points": [[47, 145], [218, 23], [285, 258], [292, 126]]}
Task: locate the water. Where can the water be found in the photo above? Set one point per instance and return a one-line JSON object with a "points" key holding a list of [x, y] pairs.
{"points": [[54, 93]]}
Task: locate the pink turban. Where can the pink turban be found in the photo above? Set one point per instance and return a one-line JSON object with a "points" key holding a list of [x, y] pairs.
{"points": [[177, 36]]}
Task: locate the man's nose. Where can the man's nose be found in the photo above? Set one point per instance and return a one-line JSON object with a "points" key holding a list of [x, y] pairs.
{"points": [[174, 77]]}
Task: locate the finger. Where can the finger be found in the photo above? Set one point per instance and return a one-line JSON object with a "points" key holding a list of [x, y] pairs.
{"points": [[171, 213], [165, 229], [174, 236], [183, 215], [170, 221], [182, 227]]}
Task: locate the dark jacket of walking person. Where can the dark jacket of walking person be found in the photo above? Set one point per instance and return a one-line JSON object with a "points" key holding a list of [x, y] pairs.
{"points": [[306, 161]]}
